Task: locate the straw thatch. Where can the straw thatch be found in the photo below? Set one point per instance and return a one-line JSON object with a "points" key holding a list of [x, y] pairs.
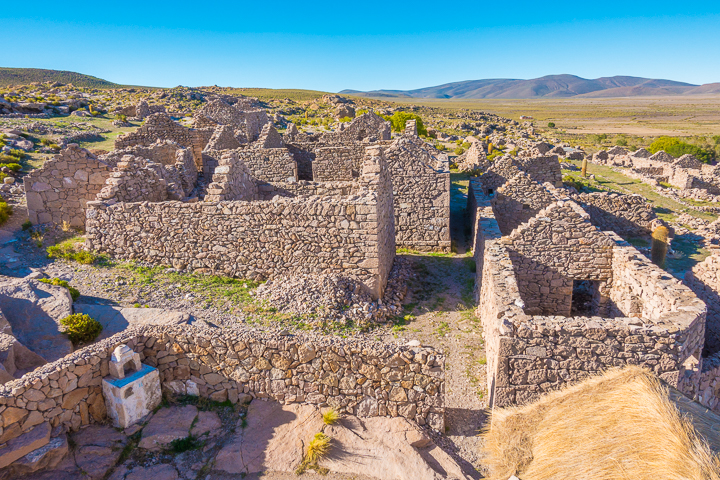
{"points": [[618, 426]]}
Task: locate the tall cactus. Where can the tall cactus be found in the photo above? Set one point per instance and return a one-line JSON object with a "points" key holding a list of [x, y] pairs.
{"points": [[659, 245], [584, 167]]}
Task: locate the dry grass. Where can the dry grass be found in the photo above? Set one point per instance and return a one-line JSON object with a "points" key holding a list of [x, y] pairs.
{"points": [[317, 448], [617, 426], [331, 417]]}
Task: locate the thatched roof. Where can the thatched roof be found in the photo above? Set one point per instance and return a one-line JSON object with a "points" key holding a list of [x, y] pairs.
{"points": [[621, 425]]}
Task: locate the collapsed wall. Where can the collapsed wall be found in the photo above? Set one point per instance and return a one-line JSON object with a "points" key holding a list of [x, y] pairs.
{"points": [[361, 378], [159, 126], [59, 190], [263, 239]]}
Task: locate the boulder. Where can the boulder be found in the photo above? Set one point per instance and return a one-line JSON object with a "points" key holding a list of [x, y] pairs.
{"points": [[43, 458], [20, 446], [34, 310]]}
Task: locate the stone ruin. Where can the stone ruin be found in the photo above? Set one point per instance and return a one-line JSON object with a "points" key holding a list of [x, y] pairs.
{"points": [[686, 174], [560, 298]]}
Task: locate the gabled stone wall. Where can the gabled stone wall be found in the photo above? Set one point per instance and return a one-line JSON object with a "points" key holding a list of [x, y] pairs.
{"points": [[554, 248], [135, 180], [519, 200], [531, 355], [59, 190], [421, 191], [159, 126]]}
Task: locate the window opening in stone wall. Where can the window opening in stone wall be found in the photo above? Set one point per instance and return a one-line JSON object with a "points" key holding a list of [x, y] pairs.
{"points": [[585, 298]]}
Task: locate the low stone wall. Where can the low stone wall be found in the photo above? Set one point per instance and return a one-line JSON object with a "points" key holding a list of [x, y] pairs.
{"points": [[542, 169], [360, 378], [59, 191], [134, 180], [626, 215], [708, 392], [303, 188], [519, 200]]}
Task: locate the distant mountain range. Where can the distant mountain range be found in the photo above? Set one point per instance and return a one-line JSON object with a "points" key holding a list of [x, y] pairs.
{"points": [[23, 76], [551, 86]]}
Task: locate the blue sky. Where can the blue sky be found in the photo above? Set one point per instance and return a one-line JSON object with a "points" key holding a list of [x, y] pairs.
{"points": [[362, 45]]}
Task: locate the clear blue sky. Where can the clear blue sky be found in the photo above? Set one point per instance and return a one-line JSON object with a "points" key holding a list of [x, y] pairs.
{"points": [[362, 45]]}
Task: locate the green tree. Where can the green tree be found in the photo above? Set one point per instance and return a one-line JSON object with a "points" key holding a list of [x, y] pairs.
{"points": [[551, 125], [399, 119], [678, 148]]}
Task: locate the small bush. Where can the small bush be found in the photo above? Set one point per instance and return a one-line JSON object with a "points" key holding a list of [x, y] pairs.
{"points": [[318, 448], [19, 154], [180, 445], [551, 125], [71, 249], [74, 292], [331, 417], [346, 119], [399, 119], [459, 151], [5, 212], [81, 328], [15, 167], [440, 147], [27, 226], [621, 142], [678, 148], [121, 117]]}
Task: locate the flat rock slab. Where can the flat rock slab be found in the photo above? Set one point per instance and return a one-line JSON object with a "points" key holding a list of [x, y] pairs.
{"points": [[116, 319], [166, 425], [46, 457], [98, 449], [20, 446], [273, 439], [34, 310], [386, 448], [156, 472], [208, 423]]}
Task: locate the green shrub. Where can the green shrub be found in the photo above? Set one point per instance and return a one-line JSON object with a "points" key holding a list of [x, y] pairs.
{"points": [[399, 119], [440, 147], [621, 142], [459, 151], [458, 142], [15, 167], [551, 125], [678, 148], [17, 153], [466, 145], [71, 249], [5, 212], [27, 226], [346, 119], [74, 292], [361, 112], [121, 117], [81, 328]]}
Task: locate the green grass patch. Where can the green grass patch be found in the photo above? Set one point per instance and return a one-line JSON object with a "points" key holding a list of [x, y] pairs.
{"points": [[74, 292], [72, 249]]}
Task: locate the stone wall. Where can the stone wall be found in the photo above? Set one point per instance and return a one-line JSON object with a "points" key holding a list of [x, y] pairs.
{"points": [[303, 188], [232, 181], [704, 280], [334, 164], [519, 200], [159, 126], [626, 215], [264, 239], [368, 126], [59, 190], [552, 250], [304, 154], [421, 192], [270, 164], [361, 378], [219, 112], [163, 152], [662, 327], [134, 180], [542, 169]]}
